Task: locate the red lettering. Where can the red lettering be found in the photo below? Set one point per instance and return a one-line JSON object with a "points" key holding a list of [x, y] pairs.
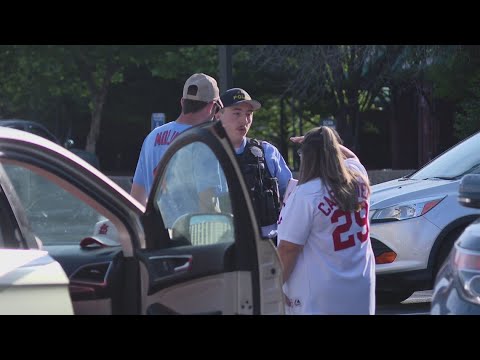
{"points": [[330, 202], [361, 218], [174, 136], [338, 244], [158, 139], [164, 137], [324, 211]]}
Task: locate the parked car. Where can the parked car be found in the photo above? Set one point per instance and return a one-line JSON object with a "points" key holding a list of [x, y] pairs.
{"points": [[117, 256], [40, 130], [32, 274], [457, 286], [415, 220]]}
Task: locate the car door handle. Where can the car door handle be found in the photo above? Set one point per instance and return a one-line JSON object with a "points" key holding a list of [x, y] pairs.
{"points": [[185, 266], [172, 264]]}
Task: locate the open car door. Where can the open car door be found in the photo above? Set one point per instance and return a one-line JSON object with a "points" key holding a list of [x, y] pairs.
{"points": [[204, 253]]}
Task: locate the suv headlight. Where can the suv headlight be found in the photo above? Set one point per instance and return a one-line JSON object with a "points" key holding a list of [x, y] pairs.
{"points": [[404, 211]]}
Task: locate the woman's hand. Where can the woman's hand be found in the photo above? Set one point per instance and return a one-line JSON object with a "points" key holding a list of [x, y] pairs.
{"points": [[297, 139]]}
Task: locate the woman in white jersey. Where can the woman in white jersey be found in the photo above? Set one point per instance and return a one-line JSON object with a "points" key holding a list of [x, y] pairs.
{"points": [[323, 232]]}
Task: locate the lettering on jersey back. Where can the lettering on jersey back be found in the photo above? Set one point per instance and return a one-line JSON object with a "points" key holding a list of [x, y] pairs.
{"points": [[327, 208], [350, 225], [165, 137]]}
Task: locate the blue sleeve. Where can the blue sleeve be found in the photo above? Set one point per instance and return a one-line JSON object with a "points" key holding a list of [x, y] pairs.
{"points": [[139, 176], [277, 166]]}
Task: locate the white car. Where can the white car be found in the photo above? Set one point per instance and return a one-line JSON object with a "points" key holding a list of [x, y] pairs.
{"points": [[32, 283], [415, 220], [74, 242]]}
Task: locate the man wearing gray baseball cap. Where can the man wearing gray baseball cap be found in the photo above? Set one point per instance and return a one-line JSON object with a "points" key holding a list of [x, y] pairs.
{"points": [[200, 102]]}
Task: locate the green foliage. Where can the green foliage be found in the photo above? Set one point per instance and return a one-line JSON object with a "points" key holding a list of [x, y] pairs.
{"points": [[266, 121], [456, 78], [36, 78], [179, 62], [453, 73], [467, 119], [72, 81]]}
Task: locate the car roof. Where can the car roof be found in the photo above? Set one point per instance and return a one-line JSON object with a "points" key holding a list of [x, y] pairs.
{"points": [[26, 124], [4, 122]]}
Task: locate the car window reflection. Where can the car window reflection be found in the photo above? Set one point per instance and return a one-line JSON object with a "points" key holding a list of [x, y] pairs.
{"points": [[192, 186], [55, 216]]}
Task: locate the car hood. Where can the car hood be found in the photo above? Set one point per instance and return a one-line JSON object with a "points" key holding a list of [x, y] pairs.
{"points": [[400, 190]]}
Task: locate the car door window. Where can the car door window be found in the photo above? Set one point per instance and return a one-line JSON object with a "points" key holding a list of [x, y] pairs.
{"points": [[56, 216], [193, 197]]}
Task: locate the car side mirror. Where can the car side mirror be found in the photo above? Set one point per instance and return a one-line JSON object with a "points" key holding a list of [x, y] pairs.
{"points": [[203, 228], [68, 144], [469, 191]]}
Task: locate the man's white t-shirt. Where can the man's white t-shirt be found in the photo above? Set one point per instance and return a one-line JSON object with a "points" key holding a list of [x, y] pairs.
{"points": [[335, 271]]}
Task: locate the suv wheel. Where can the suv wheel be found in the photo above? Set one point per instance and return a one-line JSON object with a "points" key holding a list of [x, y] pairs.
{"points": [[445, 249]]}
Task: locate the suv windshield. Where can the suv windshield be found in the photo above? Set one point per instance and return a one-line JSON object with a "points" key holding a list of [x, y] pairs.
{"points": [[462, 159]]}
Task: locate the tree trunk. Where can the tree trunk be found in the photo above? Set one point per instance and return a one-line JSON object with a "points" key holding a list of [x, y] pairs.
{"points": [[394, 133], [356, 131], [344, 126], [98, 103], [283, 131]]}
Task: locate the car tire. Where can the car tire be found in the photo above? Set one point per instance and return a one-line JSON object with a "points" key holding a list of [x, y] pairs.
{"points": [[445, 249], [392, 297]]}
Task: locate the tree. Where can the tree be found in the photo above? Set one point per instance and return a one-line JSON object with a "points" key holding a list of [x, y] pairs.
{"points": [[345, 79], [96, 67], [457, 80], [34, 75]]}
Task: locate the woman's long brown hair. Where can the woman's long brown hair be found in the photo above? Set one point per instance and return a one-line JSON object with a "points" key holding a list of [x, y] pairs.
{"points": [[322, 158]]}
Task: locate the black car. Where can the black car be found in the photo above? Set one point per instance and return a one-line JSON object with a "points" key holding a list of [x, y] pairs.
{"points": [[40, 130], [457, 286]]}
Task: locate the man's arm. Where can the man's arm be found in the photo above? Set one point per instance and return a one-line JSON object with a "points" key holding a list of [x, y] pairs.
{"points": [[206, 173], [208, 201], [277, 166], [138, 192], [349, 154], [288, 253]]}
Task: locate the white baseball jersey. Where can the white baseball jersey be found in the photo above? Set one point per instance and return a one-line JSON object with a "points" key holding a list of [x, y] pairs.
{"points": [[335, 271]]}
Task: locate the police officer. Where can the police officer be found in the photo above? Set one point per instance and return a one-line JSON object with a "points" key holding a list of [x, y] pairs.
{"points": [[263, 167]]}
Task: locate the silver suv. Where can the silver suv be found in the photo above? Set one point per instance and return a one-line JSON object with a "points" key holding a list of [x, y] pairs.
{"points": [[415, 220]]}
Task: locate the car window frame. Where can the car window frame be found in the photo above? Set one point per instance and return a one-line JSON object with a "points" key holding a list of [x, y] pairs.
{"points": [[28, 239], [57, 164]]}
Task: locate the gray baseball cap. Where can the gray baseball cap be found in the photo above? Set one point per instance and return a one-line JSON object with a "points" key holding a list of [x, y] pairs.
{"points": [[205, 89]]}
